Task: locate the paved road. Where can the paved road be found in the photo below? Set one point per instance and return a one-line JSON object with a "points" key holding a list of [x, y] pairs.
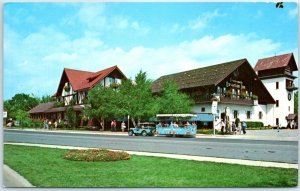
{"points": [[263, 150]]}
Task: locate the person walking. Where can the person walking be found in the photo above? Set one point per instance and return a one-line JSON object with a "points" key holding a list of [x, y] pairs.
{"points": [[45, 123], [240, 128], [55, 124], [123, 126], [233, 127], [111, 125], [50, 125], [222, 126], [244, 126], [114, 125]]}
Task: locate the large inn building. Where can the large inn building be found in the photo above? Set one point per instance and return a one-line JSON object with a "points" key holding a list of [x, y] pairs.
{"points": [[265, 93]]}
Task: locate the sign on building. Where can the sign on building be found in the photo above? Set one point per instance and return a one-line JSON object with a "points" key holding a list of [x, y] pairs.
{"points": [[214, 107], [4, 114]]}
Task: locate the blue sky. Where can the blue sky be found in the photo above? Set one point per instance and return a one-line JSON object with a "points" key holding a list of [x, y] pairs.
{"points": [[40, 39]]}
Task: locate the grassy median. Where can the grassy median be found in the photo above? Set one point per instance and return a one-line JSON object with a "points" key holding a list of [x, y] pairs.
{"points": [[45, 167]]}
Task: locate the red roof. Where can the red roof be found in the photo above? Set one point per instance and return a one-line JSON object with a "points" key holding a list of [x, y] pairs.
{"points": [[76, 77], [276, 62], [81, 80]]}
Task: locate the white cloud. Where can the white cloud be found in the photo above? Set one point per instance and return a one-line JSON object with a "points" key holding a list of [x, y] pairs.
{"points": [[44, 58], [293, 12], [203, 20], [93, 17], [197, 24]]}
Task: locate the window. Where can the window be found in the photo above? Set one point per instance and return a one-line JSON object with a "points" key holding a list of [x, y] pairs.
{"points": [[235, 114], [202, 109], [277, 103], [218, 90], [248, 114], [260, 115], [277, 121], [277, 85]]}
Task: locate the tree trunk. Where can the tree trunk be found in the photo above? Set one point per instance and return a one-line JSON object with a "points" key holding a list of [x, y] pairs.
{"points": [[133, 121], [139, 121], [100, 121]]}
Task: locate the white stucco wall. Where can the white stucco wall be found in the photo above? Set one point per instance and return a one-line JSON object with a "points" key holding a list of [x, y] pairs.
{"points": [[64, 93], [286, 107], [241, 109], [242, 112]]}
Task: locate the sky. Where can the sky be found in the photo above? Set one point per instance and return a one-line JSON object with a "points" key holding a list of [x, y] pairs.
{"points": [[41, 39]]}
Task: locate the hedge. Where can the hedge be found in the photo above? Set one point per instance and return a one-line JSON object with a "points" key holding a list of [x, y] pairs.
{"points": [[254, 124]]}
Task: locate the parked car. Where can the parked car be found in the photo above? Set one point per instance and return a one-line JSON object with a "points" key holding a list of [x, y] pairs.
{"points": [[144, 129]]}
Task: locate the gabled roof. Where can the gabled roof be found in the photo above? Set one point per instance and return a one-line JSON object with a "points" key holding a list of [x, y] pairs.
{"points": [[279, 61], [84, 80], [95, 77], [215, 75], [77, 77], [211, 75], [41, 108]]}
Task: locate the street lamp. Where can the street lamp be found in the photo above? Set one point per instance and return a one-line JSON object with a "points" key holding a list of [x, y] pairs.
{"points": [[128, 122]]}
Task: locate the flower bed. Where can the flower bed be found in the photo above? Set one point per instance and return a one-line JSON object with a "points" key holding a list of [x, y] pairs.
{"points": [[93, 155]]}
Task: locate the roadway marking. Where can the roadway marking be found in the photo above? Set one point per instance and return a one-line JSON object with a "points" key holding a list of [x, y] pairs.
{"points": [[176, 156]]}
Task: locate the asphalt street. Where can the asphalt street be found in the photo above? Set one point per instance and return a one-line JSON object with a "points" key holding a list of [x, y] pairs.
{"points": [[261, 150]]}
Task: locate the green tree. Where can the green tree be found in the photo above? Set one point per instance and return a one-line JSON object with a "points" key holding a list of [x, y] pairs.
{"points": [[46, 99], [22, 102], [173, 101], [71, 117], [22, 117], [102, 103], [296, 102], [136, 98]]}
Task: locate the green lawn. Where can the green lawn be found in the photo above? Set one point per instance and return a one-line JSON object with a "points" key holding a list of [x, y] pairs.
{"points": [[44, 167]]}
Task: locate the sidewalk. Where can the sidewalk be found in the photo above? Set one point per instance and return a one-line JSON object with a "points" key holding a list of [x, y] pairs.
{"points": [[12, 179], [282, 135]]}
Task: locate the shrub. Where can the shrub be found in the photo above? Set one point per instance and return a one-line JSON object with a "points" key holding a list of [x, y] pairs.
{"points": [[67, 88], [93, 155], [254, 124], [254, 97], [59, 104]]}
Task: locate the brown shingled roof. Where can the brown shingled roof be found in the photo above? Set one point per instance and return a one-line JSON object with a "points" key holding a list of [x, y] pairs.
{"points": [[41, 108], [276, 62], [211, 75]]}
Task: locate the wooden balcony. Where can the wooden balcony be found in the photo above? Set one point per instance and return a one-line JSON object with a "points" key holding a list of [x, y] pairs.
{"points": [[238, 101], [233, 99]]}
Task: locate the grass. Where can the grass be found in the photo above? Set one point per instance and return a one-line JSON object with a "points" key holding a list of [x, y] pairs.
{"points": [[45, 167]]}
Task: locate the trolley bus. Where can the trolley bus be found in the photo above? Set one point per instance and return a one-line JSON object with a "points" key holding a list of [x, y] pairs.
{"points": [[176, 125]]}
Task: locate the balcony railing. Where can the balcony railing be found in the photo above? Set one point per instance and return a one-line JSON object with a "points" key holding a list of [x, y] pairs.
{"points": [[233, 99], [291, 87]]}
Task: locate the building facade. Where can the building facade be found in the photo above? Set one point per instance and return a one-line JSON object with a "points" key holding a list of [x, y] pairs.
{"points": [[250, 95], [73, 90], [276, 73]]}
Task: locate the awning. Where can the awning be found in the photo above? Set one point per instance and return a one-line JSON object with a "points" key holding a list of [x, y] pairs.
{"points": [[291, 117], [203, 117]]}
